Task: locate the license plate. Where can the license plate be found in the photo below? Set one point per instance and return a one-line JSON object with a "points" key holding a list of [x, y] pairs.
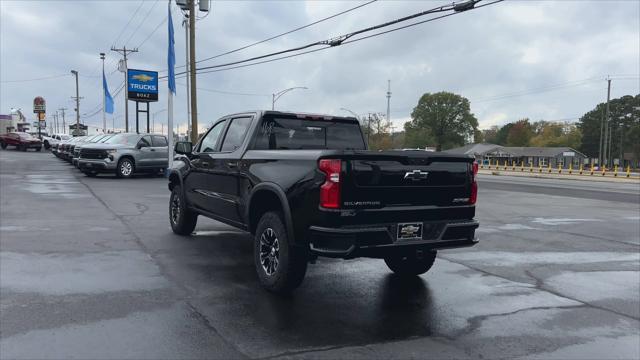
{"points": [[410, 231]]}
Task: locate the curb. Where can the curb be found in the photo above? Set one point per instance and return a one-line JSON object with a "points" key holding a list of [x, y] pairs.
{"points": [[598, 178]]}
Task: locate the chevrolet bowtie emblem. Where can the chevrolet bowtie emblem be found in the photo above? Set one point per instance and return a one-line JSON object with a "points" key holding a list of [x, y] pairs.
{"points": [[416, 175], [143, 77]]}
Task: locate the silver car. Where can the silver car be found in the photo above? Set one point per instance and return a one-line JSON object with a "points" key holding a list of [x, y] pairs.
{"points": [[125, 154]]}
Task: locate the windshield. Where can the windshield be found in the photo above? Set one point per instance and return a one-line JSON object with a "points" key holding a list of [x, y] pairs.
{"points": [[123, 139], [285, 134]]}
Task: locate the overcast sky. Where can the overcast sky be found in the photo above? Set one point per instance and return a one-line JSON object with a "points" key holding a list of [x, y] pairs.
{"points": [[536, 59]]}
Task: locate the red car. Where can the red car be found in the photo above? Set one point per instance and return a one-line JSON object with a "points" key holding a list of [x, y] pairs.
{"points": [[22, 141]]}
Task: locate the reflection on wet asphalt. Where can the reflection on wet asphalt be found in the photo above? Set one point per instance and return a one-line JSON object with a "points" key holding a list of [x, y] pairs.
{"points": [[89, 268]]}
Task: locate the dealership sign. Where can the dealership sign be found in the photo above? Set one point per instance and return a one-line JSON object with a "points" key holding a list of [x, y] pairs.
{"points": [[39, 105], [142, 85]]}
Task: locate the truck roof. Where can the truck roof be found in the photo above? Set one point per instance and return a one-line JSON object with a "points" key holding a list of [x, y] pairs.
{"points": [[299, 114]]}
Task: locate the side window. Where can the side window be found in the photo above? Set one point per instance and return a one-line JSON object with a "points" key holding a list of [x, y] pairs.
{"points": [[236, 133], [208, 143], [145, 141], [159, 140]]}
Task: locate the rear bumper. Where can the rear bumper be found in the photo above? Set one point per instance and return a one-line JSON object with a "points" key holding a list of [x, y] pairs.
{"points": [[380, 240]]}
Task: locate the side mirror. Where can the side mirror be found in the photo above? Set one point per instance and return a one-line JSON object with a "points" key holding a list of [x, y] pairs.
{"points": [[183, 147]]}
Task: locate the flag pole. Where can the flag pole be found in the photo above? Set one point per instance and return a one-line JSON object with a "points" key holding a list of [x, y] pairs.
{"points": [[171, 60]]}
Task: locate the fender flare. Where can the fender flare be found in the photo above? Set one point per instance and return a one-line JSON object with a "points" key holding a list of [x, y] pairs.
{"points": [[180, 180], [284, 203]]}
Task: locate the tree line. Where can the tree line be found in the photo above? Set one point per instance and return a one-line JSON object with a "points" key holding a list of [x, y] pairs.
{"points": [[444, 120]]}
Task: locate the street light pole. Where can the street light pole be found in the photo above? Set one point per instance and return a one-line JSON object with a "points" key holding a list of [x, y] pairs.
{"points": [[192, 70], [276, 96]]}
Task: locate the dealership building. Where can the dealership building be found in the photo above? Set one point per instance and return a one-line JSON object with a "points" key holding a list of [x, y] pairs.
{"points": [[486, 153]]}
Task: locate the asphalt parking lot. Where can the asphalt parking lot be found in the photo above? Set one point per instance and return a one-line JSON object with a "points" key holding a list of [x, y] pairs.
{"points": [[89, 268]]}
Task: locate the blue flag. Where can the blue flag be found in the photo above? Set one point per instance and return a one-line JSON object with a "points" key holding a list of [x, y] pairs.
{"points": [[171, 56], [108, 100]]}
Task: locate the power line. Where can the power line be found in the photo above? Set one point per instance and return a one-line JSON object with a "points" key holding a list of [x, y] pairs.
{"points": [[341, 40], [153, 32], [228, 92], [287, 32], [36, 79], [128, 22], [140, 23], [336, 41]]}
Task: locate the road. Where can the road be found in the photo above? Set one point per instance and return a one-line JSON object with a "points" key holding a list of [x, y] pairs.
{"points": [[89, 268]]}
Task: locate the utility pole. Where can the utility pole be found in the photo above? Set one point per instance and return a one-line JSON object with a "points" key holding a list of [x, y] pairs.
{"points": [[75, 73], [192, 70], [124, 51], [186, 25], [64, 124], [389, 101], [601, 138], [104, 95], [606, 126], [55, 122]]}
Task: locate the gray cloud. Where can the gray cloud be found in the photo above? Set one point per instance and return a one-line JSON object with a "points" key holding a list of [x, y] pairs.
{"points": [[500, 49]]}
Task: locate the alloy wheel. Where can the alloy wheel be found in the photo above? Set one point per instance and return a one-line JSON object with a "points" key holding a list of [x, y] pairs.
{"points": [[126, 168], [175, 209], [269, 251]]}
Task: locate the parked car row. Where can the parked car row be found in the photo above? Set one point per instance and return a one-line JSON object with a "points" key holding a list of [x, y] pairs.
{"points": [[123, 154], [21, 141]]}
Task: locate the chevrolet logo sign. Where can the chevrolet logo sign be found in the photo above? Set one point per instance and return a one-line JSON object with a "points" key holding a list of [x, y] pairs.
{"points": [[416, 175], [143, 77]]}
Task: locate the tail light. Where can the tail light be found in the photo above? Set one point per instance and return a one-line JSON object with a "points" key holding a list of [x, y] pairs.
{"points": [[474, 185], [330, 190]]}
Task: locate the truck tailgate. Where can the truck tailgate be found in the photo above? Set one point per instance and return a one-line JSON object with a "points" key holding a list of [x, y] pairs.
{"points": [[395, 179]]}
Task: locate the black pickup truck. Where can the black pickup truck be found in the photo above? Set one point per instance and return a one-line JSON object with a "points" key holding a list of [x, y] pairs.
{"points": [[306, 186]]}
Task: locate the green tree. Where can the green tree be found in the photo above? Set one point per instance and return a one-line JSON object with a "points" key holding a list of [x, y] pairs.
{"points": [[520, 133], [502, 134], [556, 134], [490, 135], [445, 116], [624, 115]]}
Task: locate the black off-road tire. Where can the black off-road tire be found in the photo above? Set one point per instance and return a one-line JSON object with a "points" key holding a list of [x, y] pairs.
{"points": [[3, 145], [125, 168], [23, 147], [39, 149], [47, 146], [291, 260], [411, 265], [183, 221]]}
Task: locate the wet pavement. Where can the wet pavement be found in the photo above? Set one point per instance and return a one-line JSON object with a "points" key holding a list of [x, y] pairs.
{"points": [[89, 268]]}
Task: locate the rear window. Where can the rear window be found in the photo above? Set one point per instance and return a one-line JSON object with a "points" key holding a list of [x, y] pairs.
{"points": [[290, 134]]}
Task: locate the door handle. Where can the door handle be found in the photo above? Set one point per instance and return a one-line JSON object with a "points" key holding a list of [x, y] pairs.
{"points": [[204, 164], [153, 149], [232, 164]]}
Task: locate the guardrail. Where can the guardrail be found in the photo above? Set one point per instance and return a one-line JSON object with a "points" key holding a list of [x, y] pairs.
{"points": [[588, 171]]}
